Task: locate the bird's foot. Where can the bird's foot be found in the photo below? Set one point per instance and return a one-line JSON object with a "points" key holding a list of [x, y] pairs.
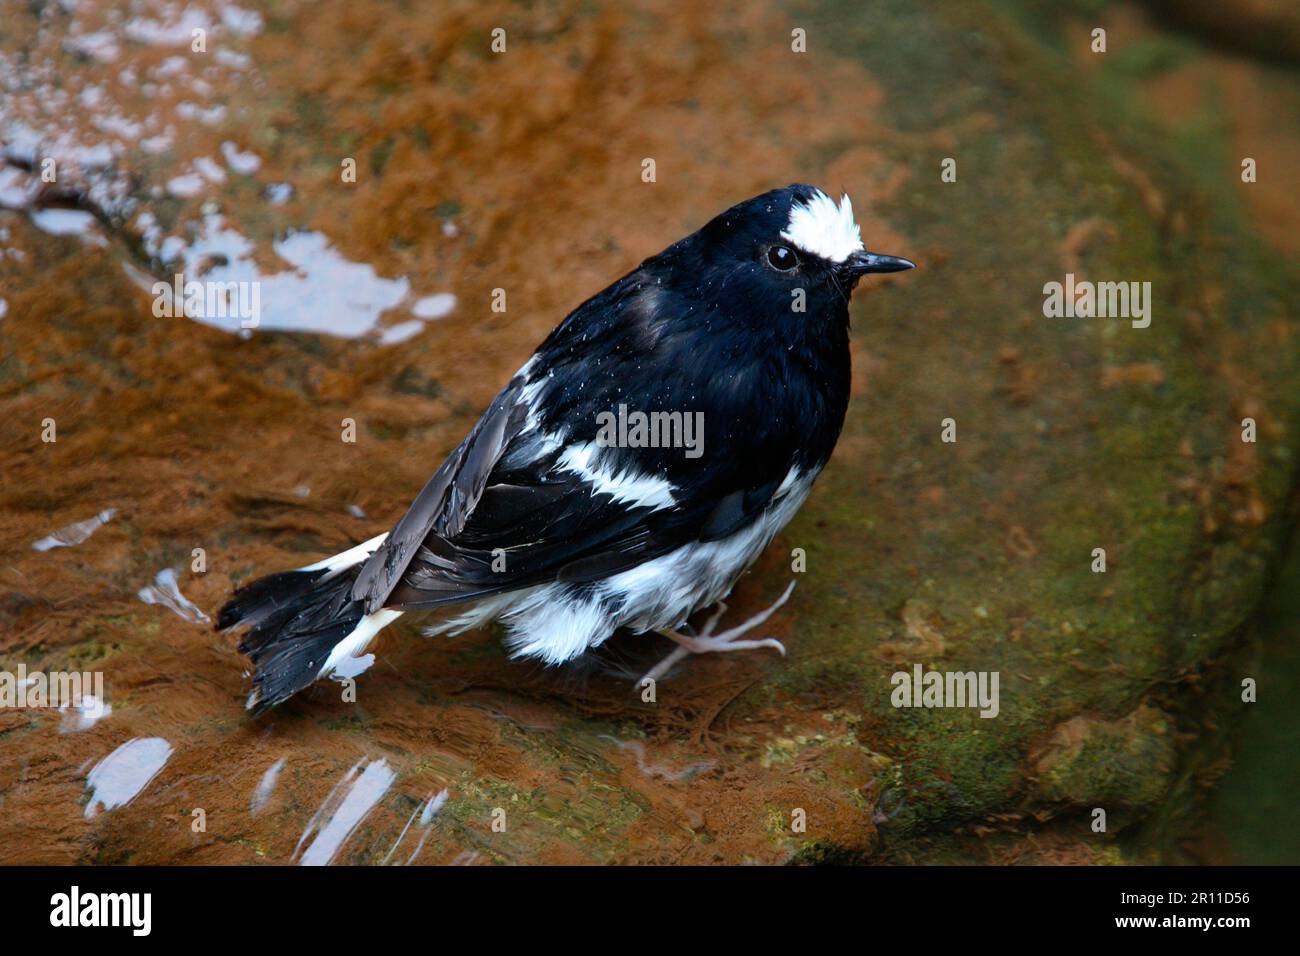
{"points": [[706, 642]]}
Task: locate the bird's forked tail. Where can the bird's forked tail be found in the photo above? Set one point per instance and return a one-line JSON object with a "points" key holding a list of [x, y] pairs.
{"points": [[305, 625]]}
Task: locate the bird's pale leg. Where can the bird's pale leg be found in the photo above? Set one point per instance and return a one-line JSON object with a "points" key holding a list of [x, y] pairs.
{"points": [[706, 642], [713, 620]]}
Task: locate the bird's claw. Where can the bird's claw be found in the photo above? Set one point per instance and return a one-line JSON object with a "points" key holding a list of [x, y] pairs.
{"points": [[707, 642]]}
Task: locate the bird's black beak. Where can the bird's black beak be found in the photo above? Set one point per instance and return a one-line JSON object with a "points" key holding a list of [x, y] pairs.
{"points": [[861, 263]]}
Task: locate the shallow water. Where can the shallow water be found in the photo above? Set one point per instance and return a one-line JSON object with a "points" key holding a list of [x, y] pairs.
{"points": [[211, 444]]}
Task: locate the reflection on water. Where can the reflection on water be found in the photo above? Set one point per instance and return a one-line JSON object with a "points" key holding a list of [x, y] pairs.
{"points": [[68, 222], [637, 749], [244, 163], [426, 812], [75, 533], [346, 806], [265, 787], [434, 306], [321, 292], [166, 591], [121, 775], [83, 715]]}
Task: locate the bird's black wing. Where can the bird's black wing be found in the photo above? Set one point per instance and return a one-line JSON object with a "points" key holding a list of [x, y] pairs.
{"points": [[503, 514], [452, 494], [446, 501], [547, 523]]}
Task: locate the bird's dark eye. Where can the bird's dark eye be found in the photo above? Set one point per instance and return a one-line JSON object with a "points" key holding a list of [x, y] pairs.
{"points": [[782, 258]]}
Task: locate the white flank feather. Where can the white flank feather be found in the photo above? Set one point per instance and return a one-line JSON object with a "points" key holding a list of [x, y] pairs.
{"points": [[626, 486], [346, 559]]}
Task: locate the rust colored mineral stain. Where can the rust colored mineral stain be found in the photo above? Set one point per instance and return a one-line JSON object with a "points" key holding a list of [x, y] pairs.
{"points": [[475, 172]]}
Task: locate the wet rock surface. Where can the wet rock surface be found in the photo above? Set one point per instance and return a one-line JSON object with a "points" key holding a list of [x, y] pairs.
{"points": [[477, 171]]}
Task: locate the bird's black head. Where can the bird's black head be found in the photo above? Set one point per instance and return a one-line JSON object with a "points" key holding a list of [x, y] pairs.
{"points": [[745, 320], [789, 257]]}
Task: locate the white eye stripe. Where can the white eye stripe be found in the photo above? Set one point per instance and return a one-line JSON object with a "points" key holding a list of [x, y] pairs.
{"points": [[820, 228]]}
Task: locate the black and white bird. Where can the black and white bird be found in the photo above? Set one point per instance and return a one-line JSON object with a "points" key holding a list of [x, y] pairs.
{"points": [[565, 533]]}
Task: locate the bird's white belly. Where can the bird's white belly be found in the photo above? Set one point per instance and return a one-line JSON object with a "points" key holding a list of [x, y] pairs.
{"points": [[664, 592], [557, 622]]}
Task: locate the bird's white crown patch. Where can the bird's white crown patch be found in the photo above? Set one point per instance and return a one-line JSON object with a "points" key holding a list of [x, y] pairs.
{"points": [[819, 227]]}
